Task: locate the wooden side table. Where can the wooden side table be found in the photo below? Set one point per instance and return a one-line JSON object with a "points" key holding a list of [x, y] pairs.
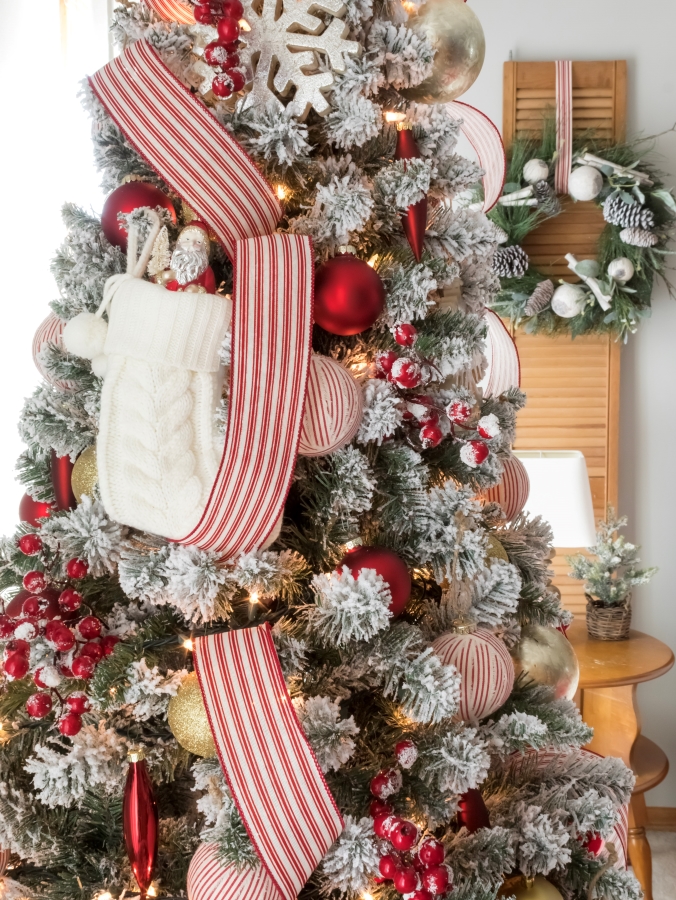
{"points": [[609, 674]]}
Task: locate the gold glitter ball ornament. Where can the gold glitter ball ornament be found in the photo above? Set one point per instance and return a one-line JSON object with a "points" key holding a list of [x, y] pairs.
{"points": [[455, 32], [523, 888], [188, 719], [495, 549], [85, 475], [545, 656]]}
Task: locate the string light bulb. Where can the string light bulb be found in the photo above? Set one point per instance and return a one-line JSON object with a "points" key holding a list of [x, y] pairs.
{"points": [[281, 192], [366, 896], [374, 259], [244, 25], [106, 895], [393, 116], [152, 891], [187, 644], [253, 598]]}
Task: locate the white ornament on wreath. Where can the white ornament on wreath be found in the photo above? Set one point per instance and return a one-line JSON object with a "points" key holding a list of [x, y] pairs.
{"points": [[621, 270], [281, 52], [585, 183], [569, 300], [535, 170]]}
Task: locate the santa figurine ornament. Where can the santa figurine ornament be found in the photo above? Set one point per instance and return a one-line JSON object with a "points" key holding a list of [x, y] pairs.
{"points": [[190, 270]]}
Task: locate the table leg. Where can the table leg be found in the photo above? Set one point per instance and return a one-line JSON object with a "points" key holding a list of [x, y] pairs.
{"points": [[639, 848]]}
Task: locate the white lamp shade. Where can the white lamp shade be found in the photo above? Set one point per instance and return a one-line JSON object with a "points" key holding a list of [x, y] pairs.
{"points": [[560, 493]]}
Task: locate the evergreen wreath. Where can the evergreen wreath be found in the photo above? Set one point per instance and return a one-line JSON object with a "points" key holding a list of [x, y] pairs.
{"points": [[616, 287]]}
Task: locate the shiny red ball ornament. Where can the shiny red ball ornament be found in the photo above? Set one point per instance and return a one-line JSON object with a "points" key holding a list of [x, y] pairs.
{"points": [[594, 843], [406, 753], [404, 835], [77, 568], [431, 852], [431, 436], [385, 361], [108, 643], [349, 295], [30, 544], [140, 821], [34, 581], [238, 80], [228, 30], [126, 199], [70, 724], [435, 879], [389, 566], [78, 702], [16, 665], [61, 470], [414, 220], [459, 412], [472, 813], [222, 86], [33, 511], [386, 783], [233, 9], [406, 373], [6, 627], [405, 879], [405, 334], [70, 600], [83, 666], [389, 865], [89, 628], [39, 705], [92, 649], [203, 14], [383, 824]]}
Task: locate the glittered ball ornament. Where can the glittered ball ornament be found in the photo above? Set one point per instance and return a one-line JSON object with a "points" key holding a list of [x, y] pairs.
{"points": [[455, 33], [85, 475], [569, 300], [124, 200], [546, 657], [523, 888], [388, 565], [585, 183], [512, 491], [484, 663], [495, 550], [349, 295], [333, 408], [188, 720], [33, 511], [211, 879]]}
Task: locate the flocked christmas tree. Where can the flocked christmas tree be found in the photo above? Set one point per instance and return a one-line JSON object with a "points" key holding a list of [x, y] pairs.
{"points": [[394, 589]]}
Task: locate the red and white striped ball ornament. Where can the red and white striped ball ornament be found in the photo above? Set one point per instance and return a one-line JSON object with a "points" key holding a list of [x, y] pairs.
{"points": [[485, 665], [49, 331], [513, 489], [333, 408], [210, 879]]}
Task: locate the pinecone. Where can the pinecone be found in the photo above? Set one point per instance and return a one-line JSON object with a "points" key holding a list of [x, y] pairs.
{"points": [[546, 198], [627, 215], [540, 298], [638, 237], [510, 262]]}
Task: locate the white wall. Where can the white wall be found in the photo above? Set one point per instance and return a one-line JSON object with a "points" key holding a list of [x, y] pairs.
{"points": [[643, 34]]}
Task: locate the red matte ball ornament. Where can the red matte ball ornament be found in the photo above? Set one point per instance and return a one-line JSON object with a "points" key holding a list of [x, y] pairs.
{"points": [[126, 199], [594, 843], [33, 511], [349, 295], [140, 821], [388, 565]]}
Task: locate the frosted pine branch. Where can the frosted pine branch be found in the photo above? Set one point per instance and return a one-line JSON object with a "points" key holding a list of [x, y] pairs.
{"points": [[353, 859], [329, 735], [347, 608]]}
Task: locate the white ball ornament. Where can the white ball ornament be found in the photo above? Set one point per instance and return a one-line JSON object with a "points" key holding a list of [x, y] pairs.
{"points": [[621, 270], [85, 335], [333, 408], [535, 170], [585, 183], [569, 300], [210, 879], [486, 668]]}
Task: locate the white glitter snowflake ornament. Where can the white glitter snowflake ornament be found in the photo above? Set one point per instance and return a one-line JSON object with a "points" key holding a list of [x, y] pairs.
{"points": [[281, 51]]}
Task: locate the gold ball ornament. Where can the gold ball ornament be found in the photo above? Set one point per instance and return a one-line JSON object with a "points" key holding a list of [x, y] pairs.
{"points": [[495, 549], [547, 657], [455, 32], [85, 475], [188, 719], [523, 888]]}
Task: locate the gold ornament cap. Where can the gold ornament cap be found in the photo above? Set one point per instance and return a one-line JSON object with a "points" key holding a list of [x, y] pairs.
{"points": [[136, 754], [463, 625], [404, 126]]}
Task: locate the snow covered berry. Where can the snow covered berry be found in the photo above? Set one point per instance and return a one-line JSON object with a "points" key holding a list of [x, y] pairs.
{"points": [[383, 824], [594, 843], [77, 568], [47, 677], [406, 753], [431, 436], [405, 334], [34, 581], [108, 643], [78, 702], [27, 628], [378, 807], [386, 783], [389, 865], [30, 544], [93, 649], [59, 636], [31, 606], [405, 879], [403, 835], [70, 600], [39, 705], [406, 373], [473, 453], [431, 852], [459, 412], [70, 724], [89, 627], [83, 666], [436, 879], [385, 361], [420, 894], [18, 645], [6, 627], [16, 665], [488, 426]]}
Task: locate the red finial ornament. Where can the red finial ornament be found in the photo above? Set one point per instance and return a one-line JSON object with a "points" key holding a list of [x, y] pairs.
{"points": [[414, 220], [61, 470], [141, 821]]}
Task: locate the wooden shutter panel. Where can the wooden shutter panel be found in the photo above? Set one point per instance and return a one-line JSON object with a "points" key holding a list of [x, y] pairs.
{"points": [[573, 386]]}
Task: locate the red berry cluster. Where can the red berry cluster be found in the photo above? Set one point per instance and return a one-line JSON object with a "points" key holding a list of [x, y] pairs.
{"points": [[222, 55], [456, 421], [414, 866], [49, 609]]}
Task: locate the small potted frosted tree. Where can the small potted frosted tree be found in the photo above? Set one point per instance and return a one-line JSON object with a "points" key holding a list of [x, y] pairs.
{"points": [[609, 578]]}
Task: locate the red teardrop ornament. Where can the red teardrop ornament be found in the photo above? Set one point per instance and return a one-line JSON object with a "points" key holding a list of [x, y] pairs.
{"points": [[61, 470], [472, 811], [414, 220], [141, 821]]}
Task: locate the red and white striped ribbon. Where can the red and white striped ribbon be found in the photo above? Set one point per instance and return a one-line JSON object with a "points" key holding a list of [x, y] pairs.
{"points": [[187, 146], [172, 11], [564, 124], [504, 368], [487, 142], [271, 770], [271, 337], [272, 316]]}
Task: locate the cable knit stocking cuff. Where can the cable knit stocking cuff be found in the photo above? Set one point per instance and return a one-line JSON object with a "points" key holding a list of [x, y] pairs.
{"points": [[185, 330]]}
